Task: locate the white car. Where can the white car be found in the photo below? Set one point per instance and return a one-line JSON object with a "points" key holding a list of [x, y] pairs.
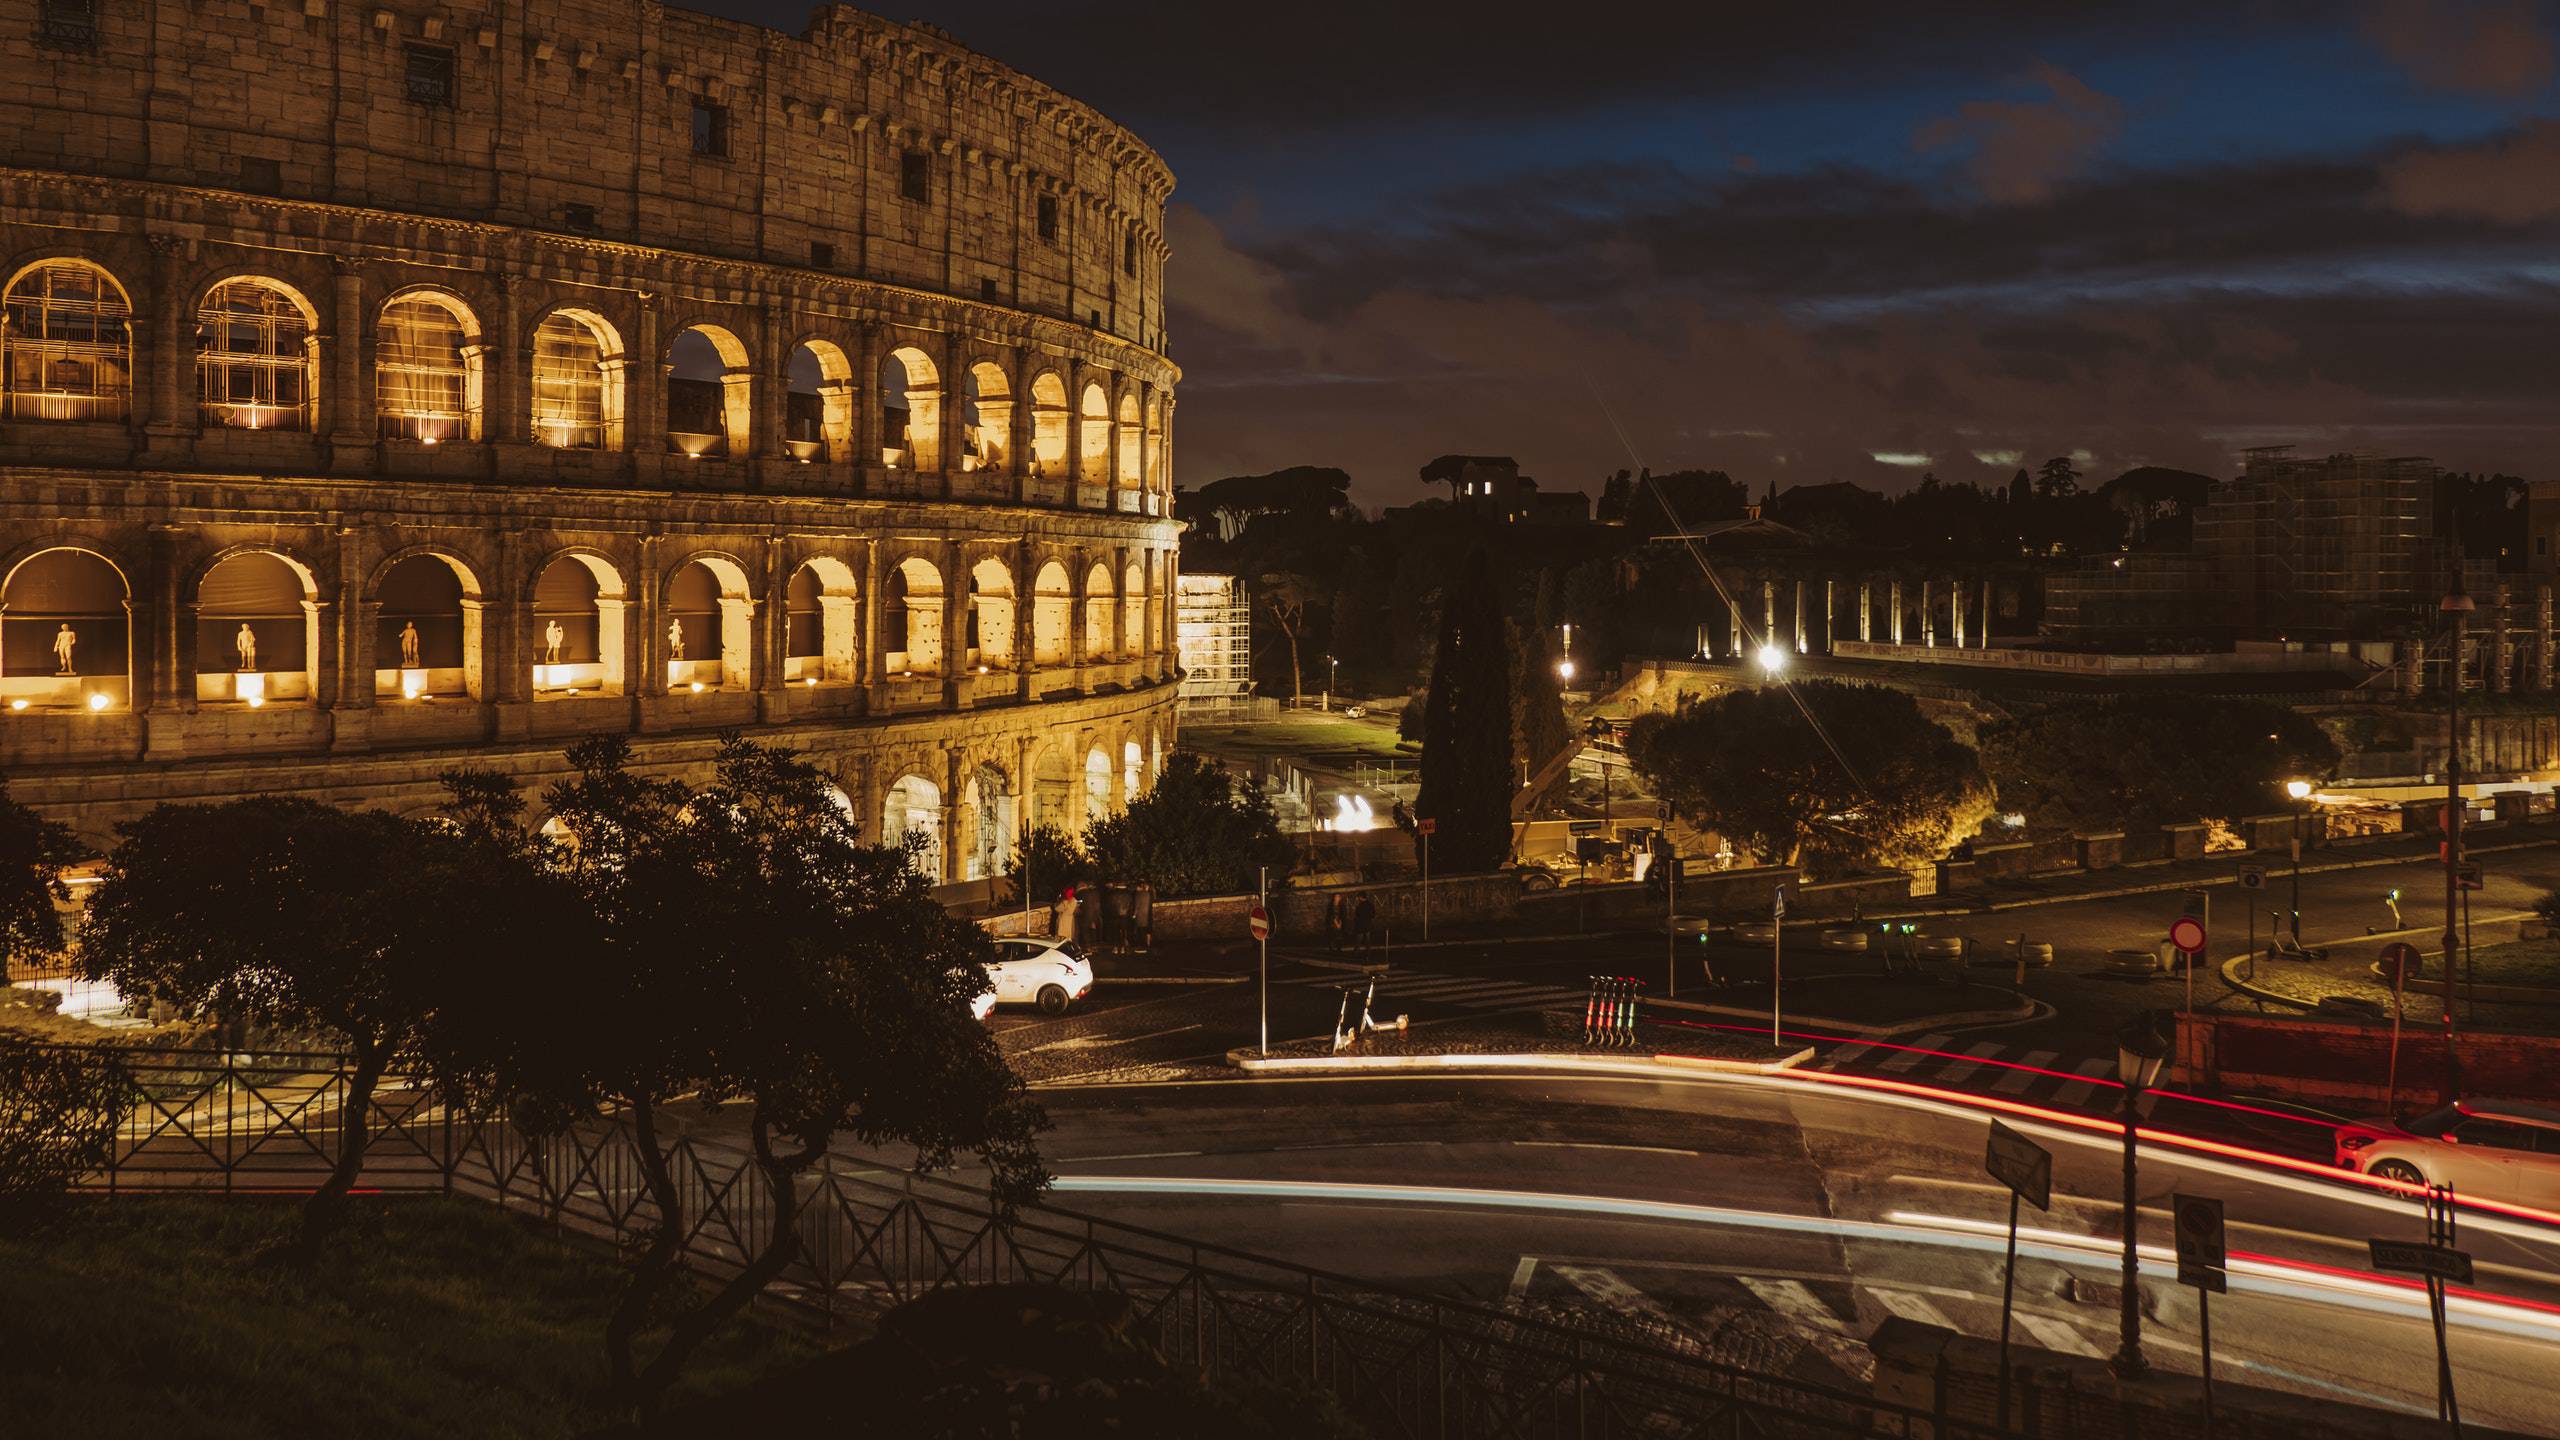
{"points": [[2488, 1149], [1038, 970]]}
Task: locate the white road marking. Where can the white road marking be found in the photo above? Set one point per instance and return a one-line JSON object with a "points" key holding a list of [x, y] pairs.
{"points": [[1138, 1155], [1913, 1307], [1611, 1289], [2055, 1334], [1520, 1275], [2077, 1092], [1957, 1070], [1602, 1145], [1914, 1054], [2016, 1081], [1849, 1054], [1089, 1042], [1791, 1299]]}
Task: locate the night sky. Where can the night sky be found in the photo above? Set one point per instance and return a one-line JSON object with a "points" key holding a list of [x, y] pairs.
{"points": [[1833, 241]]}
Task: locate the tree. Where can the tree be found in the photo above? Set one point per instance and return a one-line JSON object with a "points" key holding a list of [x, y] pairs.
{"points": [[1467, 770], [287, 913], [1898, 792], [33, 853], [1537, 720], [1196, 833], [2146, 761], [2057, 480], [1231, 504], [749, 948], [60, 1107], [1048, 860], [2020, 488], [1287, 596]]}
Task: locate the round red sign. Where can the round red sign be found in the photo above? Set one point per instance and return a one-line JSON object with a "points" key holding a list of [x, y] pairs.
{"points": [[2187, 933], [1260, 921]]}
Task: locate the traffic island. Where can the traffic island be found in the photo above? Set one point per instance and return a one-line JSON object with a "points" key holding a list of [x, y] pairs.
{"points": [[1865, 1005], [1554, 1040]]}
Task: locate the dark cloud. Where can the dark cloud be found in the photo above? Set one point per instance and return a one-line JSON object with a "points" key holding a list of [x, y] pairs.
{"points": [[2512, 180], [2481, 47], [2021, 149]]}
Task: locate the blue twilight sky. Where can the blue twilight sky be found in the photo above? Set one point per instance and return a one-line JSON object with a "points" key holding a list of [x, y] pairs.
{"points": [[1842, 240]]}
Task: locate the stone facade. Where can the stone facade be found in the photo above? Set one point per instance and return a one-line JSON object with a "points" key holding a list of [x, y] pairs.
{"points": [[388, 389]]}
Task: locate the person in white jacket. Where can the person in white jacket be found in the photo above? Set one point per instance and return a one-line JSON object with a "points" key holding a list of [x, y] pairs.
{"points": [[1062, 916]]}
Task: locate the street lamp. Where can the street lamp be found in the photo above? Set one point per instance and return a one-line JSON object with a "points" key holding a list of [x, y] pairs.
{"points": [[1330, 666], [2456, 607], [2299, 790], [1773, 661], [2140, 1047]]}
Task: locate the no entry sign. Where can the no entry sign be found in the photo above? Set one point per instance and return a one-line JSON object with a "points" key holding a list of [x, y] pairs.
{"points": [[2187, 933], [1260, 923]]}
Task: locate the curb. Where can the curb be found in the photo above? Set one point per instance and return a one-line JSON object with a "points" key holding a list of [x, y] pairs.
{"points": [[1944, 1020], [1560, 1064], [1991, 907], [1103, 980]]}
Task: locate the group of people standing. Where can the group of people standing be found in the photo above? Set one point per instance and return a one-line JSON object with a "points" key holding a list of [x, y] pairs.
{"points": [[1115, 917], [1345, 921]]}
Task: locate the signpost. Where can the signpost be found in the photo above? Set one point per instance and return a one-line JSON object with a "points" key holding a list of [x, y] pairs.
{"points": [[2027, 1169], [2400, 960], [2197, 1220], [2252, 877], [1423, 827], [1259, 922], [2440, 1264], [2187, 934], [1777, 959]]}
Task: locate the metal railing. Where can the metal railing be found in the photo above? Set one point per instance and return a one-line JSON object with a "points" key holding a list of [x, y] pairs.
{"points": [[1402, 1363]]}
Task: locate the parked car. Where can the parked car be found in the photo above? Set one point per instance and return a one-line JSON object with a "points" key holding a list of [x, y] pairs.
{"points": [[2488, 1149], [1040, 970]]}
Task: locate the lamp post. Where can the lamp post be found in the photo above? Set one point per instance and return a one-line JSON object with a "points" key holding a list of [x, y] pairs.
{"points": [[2140, 1047], [1330, 666], [1773, 661], [2300, 791], [2456, 607]]}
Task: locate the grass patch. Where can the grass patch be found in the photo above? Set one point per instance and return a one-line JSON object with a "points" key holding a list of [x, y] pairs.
{"points": [[1343, 740], [2518, 962], [154, 1318]]}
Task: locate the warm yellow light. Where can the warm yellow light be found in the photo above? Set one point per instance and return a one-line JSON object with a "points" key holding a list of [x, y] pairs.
{"points": [[409, 689], [17, 704], [2298, 789], [1564, 669], [1772, 659], [255, 701], [699, 687], [811, 682], [97, 701]]}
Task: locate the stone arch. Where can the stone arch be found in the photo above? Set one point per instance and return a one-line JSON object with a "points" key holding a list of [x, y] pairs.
{"points": [[66, 343], [1050, 793], [1052, 613], [257, 628], [1132, 467], [987, 822], [59, 589], [1133, 770], [584, 595], [710, 624], [910, 410], [257, 356], [1098, 629], [1134, 607], [911, 618], [988, 419], [819, 609], [912, 805], [427, 615], [1050, 442], [991, 614], [1093, 437], [427, 370], [1155, 754], [1097, 785], [710, 393], [579, 381], [1159, 479], [817, 406]]}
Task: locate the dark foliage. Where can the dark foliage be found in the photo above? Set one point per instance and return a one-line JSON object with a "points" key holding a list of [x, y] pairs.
{"points": [[1197, 832], [2155, 760], [1468, 774]]}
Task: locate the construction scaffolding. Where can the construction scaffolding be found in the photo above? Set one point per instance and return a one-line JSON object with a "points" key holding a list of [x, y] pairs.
{"points": [[1213, 629]]}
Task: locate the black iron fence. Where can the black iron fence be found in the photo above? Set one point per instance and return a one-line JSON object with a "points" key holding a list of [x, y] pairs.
{"points": [[1404, 1364]]}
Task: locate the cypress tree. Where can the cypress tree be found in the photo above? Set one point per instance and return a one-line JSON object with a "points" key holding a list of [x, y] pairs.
{"points": [[1467, 776]]}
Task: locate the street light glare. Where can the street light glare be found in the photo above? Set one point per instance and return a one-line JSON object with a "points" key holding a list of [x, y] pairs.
{"points": [[1772, 659], [2298, 789], [1564, 669]]}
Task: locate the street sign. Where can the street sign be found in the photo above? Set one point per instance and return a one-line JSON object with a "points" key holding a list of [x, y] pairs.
{"points": [[1260, 923], [1427, 825], [2252, 878], [2401, 963], [1662, 812], [2466, 876], [2021, 1164], [2441, 1261], [2199, 1229], [2187, 933]]}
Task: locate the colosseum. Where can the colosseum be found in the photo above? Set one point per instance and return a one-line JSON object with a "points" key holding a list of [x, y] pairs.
{"points": [[395, 385]]}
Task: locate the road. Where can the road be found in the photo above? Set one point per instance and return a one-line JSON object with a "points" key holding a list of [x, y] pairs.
{"points": [[1781, 1223]]}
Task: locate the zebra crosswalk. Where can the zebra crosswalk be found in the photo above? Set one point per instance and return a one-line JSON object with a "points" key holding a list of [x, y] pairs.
{"points": [[1820, 1308], [1463, 992], [2043, 1077]]}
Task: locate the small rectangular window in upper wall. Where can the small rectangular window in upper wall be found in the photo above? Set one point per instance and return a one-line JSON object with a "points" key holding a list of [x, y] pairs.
{"points": [[822, 255], [68, 25], [262, 175], [1129, 253], [1048, 217], [430, 75], [710, 128], [915, 176], [578, 215], [987, 287]]}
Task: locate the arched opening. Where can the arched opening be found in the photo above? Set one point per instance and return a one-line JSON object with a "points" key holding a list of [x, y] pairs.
{"points": [[817, 411], [1132, 455], [987, 814], [1093, 438], [989, 419], [1133, 612], [1097, 785], [1098, 628], [708, 625], [66, 344], [913, 806], [578, 628], [910, 411], [991, 615], [577, 388], [66, 634], [708, 395], [1133, 764], [426, 370], [1049, 447], [1052, 793], [911, 618], [256, 357], [818, 623], [426, 639], [1052, 607], [1159, 478], [257, 630], [1155, 756]]}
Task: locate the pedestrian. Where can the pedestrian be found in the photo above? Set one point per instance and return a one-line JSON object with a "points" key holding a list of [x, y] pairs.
{"points": [[1142, 915], [1062, 916], [1337, 918], [1363, 916]]}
